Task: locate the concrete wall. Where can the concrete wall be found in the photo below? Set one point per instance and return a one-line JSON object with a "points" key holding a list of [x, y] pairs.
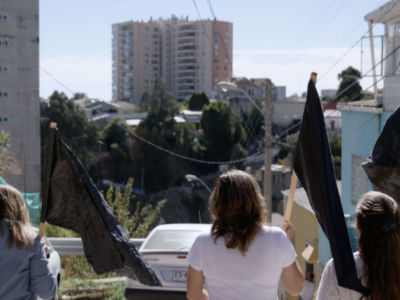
{"points": [[283, 113], [19, 87]]}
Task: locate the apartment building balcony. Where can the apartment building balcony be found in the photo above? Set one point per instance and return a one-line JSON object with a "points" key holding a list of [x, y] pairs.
{"points": [[187, 81], [186, 68], [186, 75], [186, 34], [190, 44], [187, 29], [190, 47], [186, 54]]}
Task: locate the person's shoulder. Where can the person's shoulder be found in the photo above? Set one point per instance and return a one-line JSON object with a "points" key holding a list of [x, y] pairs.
{"points": [[203, 238], [273, 231]]}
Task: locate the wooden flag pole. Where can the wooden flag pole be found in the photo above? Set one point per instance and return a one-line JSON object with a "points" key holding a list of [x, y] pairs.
{"points": [[289, 203], [42, 225]]}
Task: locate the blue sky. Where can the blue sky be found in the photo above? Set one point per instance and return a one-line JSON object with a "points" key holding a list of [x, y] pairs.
{"points": [[283, 40]]}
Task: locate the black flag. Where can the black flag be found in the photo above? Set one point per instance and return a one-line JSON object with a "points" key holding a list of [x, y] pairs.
{"points": [[71, 200], [383, 166], [314, 168]]}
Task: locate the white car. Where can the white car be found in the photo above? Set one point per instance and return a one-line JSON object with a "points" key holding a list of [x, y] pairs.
{"points": [[165, 249]]}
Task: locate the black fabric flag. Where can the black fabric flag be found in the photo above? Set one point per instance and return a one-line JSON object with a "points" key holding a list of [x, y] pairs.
{"points": [[383, 166], [71, 200], [314, 168]]}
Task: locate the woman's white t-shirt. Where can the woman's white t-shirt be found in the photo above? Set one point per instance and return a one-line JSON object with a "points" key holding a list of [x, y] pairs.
{"points": [[229, 275]]}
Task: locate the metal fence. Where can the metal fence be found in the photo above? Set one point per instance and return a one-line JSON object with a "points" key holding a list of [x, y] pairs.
{"points": [[74, 246]]}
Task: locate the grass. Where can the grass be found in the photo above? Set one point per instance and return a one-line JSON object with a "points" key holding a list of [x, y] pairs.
{"points": [[76, 266]]}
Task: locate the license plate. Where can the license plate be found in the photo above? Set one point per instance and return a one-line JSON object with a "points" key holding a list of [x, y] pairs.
{"points": [[179, 275]]}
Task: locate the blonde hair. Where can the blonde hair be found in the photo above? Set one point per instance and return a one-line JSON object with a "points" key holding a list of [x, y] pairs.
{"points": [[237, 207], [14, 212]]}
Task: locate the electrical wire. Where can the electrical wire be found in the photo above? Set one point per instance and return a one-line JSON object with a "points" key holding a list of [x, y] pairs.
{"points": [[356, 43]]}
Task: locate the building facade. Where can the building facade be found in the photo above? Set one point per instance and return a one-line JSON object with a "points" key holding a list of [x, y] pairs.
{"points": [[189, 56], [363, 121], [19, 88]]}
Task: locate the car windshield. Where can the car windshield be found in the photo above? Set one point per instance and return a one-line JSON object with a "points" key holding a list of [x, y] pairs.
{"points": [[171, 240]]}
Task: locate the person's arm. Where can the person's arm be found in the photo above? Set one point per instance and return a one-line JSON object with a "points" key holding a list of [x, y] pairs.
{"points": [[292, 279], [43, 284], [328, 287], [194, 285]]}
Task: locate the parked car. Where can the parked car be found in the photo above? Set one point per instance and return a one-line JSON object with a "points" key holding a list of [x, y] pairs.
{"points": [[165, 249], [54, 261]]}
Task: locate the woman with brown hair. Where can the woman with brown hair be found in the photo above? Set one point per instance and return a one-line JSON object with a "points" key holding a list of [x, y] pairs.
{"points": [[24, 272], [241, 258], [378, 261]]}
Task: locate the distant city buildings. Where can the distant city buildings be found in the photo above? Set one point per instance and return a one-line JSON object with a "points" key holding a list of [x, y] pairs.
{"points": [[19, 88], [189, 56]]}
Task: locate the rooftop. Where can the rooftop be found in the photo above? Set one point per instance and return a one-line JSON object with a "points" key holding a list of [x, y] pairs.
{"points": [[301, 198], [387, 13], [362, 105]]}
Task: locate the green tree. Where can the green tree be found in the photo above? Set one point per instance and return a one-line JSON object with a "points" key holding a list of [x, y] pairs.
{"points": [[77, 131], [145, 101], [160, 128], [115, 132], [136, 218], [349, 86], [223, 132], [79, 96], [335, 143], [198, 100], [254, 120]]}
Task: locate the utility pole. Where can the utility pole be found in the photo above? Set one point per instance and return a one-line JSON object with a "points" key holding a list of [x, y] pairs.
{"points": [[267, 157]]}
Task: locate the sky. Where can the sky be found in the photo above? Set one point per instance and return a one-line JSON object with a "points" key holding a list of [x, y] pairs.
{"points": [[284, 40]]}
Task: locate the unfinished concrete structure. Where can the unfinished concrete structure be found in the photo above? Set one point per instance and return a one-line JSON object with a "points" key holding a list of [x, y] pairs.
{"points": [[19, 88]]}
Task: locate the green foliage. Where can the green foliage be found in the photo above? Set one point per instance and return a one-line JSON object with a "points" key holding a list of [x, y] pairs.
{"points": [[335, 143], [253, 121], [161, 129], [77, 132], [328, 99], [115, 132], [139, 220], [145, 101], [349, 86], [222, 132], [198, 100], [116, 291], [79, 96]]}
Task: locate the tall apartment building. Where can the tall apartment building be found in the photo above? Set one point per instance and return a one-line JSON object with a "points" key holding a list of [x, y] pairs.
{"points": [[189, 56], [19, 87]]}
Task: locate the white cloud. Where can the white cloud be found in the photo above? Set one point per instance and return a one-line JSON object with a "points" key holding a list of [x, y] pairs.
{"points": [[91, 75]]}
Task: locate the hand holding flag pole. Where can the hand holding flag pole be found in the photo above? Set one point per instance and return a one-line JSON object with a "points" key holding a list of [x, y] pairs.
{"points": [[289, 203]]}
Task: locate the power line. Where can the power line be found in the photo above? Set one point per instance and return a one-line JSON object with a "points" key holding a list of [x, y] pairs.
{"points": [[357, 42], [201, 161], [202, 24], [49, 74], [380, 62], [55, 79]]}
